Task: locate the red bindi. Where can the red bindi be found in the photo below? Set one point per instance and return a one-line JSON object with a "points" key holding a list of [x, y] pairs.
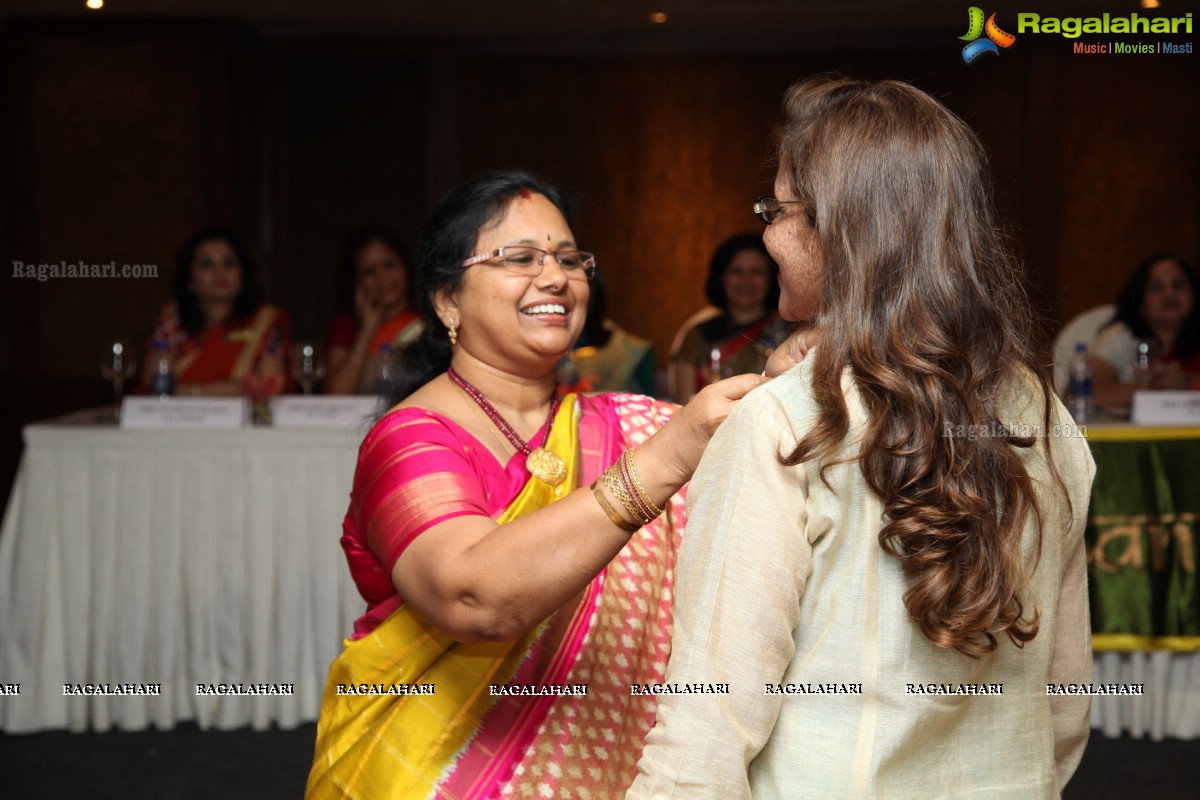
{"points": [[526, 194]]}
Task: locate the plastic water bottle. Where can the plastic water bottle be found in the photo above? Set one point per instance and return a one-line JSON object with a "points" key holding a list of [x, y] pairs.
{"points": [[1081, 403], [162, 383]]}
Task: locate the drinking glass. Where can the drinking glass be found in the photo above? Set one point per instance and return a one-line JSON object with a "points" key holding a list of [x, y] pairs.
{"points": [[1147, 364], [118, 364], [308, 366], [715, 367]]}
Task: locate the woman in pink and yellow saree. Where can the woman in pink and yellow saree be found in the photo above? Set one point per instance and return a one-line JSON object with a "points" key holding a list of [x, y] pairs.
{"points": [[515, 547]]}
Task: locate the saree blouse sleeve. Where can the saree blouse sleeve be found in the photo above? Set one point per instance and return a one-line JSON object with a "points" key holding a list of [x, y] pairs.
{"points": [[413, 472], [278, 339]]}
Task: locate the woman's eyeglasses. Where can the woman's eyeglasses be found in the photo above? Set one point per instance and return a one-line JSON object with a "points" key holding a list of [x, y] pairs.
{"points": [[529, 261], [768, 208]]}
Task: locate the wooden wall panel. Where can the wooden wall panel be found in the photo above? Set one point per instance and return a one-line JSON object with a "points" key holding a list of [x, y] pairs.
{"points": [[349, 152], [119, 147], [129, 149], [1129, 169]]}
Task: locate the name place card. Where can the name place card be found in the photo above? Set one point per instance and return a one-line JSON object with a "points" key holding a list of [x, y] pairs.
{"points": [[1166, 408], [153, 413], [330, 411]]}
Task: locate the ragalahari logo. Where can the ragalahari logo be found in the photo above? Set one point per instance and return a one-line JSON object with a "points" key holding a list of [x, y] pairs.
{"points": [[976, 27]]}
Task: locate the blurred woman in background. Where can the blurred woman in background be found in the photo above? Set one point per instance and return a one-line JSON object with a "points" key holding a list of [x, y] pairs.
{"points": [[743, 283], [606, 358], [218, 335], [377, 318], [1157, 308]]}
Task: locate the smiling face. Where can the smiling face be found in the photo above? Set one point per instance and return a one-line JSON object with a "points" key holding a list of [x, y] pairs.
{"points": [[746, 282], [216, 272], [1168, 299], [793, 242], [381, 274], [514, 322]]}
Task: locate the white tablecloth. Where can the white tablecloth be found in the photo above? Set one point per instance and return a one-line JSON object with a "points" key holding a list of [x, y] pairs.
{"points": [[178, 558], [1171, 705]]}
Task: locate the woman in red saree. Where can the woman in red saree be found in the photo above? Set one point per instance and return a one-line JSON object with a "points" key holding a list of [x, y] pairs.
{"points": [[511, 544], [743, 282], [221, 337], [1157, 307], [377, 317]]}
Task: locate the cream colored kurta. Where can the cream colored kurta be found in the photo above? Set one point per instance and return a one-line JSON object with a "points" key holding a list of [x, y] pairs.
{"points": [[782, 581]]}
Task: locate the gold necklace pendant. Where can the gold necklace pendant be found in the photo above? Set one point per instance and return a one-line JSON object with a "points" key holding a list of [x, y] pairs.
{"points": [[546, 466]]}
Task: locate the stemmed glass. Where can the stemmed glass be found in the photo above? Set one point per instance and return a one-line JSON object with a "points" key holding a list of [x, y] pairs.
{"points": [[118, 366], [1146, 365], [308, 366]]}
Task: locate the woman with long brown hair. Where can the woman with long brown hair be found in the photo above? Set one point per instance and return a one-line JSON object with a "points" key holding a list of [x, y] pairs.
{"points": [[885, 565]]}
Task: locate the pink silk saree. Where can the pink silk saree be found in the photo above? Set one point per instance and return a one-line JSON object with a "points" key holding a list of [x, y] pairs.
{"points": [[451, 736]]}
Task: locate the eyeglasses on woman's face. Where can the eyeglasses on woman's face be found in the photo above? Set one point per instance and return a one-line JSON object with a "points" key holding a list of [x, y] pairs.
{"points": [[529, 261], [769, 209]]}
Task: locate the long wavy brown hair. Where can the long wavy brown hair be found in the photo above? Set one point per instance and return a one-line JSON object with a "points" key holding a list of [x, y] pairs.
{"points": [[924, 302]]}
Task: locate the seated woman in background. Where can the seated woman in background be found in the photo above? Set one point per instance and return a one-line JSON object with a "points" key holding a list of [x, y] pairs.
{"points": [[743, 283], [1158, 307], [219, 334], [862, 572], [506, 537], [606, 358], [377, 318]]}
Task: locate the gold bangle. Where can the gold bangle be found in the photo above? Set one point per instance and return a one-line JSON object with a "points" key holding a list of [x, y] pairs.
{"points": [[612, 479], [627, 457], [622, 466], [616, 518]]}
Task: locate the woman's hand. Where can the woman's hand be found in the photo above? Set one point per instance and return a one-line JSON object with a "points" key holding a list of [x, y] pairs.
{"points": [[1171, 376], [369, 310], [671, 455], [791, 351]]}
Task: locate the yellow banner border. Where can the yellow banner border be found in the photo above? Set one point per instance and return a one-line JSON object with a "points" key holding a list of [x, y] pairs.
{"points": [[1135, 643], [1141, 433]]}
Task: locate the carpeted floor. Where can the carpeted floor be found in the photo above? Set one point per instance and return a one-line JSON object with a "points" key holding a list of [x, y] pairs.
{"points": [[187, 763]]}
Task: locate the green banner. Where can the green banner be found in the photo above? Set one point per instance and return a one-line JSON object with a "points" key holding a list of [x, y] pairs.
{"points": [[1142, 547]]}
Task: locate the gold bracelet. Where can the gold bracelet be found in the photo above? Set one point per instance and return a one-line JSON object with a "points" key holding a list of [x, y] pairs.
{"points": [[612, 479], [622, 466], [627, 457], [616, 518]]}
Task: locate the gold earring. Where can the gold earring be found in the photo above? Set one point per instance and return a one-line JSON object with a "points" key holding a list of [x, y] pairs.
{"points": [[452, 328]]}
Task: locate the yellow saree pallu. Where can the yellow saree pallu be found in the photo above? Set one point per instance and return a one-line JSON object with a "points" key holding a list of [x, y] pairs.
{"points": [[409, 713]]}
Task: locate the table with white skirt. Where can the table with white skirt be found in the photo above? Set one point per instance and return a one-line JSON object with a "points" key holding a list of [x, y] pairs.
{"points": [[173, 558], [1143, 554]]}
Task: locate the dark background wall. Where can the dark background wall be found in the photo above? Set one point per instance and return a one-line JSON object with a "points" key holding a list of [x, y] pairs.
{"points": [[121, 136]]}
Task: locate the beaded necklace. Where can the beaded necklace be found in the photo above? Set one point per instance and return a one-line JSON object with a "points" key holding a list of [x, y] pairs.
{"points": [[542, 464]]}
